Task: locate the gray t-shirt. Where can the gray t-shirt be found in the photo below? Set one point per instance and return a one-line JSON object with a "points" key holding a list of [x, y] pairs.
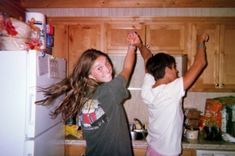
{"points": [[104, 121]]}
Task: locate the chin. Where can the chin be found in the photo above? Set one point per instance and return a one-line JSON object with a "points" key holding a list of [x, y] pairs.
{"points": [[106, 80]]}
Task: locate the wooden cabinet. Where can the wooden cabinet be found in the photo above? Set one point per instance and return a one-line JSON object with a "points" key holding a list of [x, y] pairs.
{"points": [[185, 152], [227, 57], [79, 150], [116, 34], [60, 48], [167, 36], [12, 8], [171, 35], [74, 150], [219, 74], [159, 36], [71, 39], [81, 38], [188, 152], [139, 151]]}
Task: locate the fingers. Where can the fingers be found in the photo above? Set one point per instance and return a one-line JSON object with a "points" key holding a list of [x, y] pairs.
{"points": [[133, 38], [203, 37]]}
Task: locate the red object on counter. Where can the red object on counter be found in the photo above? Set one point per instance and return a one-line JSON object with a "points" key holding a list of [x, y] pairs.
{"points": [[212, 115], [213, 105], [49, 29], [7, 24]]}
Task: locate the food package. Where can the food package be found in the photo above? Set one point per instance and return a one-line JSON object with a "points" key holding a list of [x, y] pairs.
{"points": [[22, 29], [213, 105], [12, 43], [212, 115], [37, 22], [14, 34], [73, 130], [15, 28]]}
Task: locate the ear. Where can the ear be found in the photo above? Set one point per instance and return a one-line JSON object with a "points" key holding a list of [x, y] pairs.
{"points": [[91, 77], [167, 70]]}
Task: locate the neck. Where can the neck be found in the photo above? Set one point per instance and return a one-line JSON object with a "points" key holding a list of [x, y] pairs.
{"points": [[160, 82]]}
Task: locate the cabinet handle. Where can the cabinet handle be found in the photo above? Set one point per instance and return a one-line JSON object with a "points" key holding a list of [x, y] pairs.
{"points": [[216, 85]]}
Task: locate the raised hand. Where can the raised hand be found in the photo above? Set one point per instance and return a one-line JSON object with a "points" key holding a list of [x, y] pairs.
{"points": [[202, 38], [133, 39]]}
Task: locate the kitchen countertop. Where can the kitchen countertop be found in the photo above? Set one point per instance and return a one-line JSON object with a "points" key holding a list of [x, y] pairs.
{"points": [[198, 144]]}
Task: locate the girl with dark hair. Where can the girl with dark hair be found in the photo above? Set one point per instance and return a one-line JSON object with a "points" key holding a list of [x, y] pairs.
{"points": [[96, 96]]}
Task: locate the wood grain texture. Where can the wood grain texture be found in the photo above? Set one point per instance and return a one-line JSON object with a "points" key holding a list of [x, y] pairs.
{"points": [[127, 3], [12, 8]]}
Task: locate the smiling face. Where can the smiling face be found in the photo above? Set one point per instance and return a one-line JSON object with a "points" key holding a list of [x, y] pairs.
{"points": [[101, 70]]}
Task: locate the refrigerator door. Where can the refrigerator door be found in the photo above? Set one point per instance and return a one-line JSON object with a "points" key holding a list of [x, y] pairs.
{"points": [[43, 71], [48, 144], [26, 126]]}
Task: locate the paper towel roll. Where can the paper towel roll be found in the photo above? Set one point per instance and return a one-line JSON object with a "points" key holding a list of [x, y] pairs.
{"points": [[38, 24]]}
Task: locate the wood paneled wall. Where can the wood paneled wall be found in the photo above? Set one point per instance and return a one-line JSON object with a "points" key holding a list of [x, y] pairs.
{"points": [[126, 3], [12, 8]]}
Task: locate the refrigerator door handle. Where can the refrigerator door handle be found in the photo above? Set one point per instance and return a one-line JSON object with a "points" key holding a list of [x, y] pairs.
{"points": [[30, 116], [29, 148]]}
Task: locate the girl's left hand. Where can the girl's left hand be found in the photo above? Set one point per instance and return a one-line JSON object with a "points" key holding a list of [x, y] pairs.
{"points": [[133, 39]]}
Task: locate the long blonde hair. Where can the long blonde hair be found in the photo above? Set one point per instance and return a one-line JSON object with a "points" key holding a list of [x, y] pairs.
{"points": [[77, 87]]}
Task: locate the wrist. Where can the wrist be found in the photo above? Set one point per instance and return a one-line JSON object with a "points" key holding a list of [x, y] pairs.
{"points": [[131, 46], [140, 45], [201, 45]]}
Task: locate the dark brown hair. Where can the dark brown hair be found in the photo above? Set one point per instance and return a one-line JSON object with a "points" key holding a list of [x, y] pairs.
{"points": [[77, 87], [156, 64]]}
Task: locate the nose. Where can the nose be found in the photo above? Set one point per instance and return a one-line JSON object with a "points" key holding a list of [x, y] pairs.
{"points": [[177, 73], [108, 68]]}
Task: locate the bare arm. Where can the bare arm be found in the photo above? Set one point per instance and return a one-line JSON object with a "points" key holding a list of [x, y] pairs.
{"points": [[130, 58], [199, 62], [144, 51]]}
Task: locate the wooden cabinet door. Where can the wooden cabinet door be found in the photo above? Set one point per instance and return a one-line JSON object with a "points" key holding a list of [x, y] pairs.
{"points": [[188, 152], [209, 79], [219, 74], [74, 150], [81, 38], [166, 36], [116, 34], [185, 152], [227, 57], [139, 151], [60, 48]]}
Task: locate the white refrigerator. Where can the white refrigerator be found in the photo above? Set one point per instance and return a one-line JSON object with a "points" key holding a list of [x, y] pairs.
{"points": [[27, 129]]}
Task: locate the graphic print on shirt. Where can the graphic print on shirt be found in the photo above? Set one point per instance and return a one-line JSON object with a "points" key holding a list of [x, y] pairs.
{"points": [[92, 115]]}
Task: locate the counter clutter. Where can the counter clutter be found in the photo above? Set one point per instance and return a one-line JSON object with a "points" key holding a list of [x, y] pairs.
{"points": [[197, 140], [197, 144]]}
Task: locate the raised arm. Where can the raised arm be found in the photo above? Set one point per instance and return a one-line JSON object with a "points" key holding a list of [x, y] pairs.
{"points": [[199, 63], [130, 58], [144, 51]]}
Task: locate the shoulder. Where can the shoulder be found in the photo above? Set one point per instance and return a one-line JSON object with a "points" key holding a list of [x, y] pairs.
{"points": [[117, 83], [177, 86], [149, 79]]}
